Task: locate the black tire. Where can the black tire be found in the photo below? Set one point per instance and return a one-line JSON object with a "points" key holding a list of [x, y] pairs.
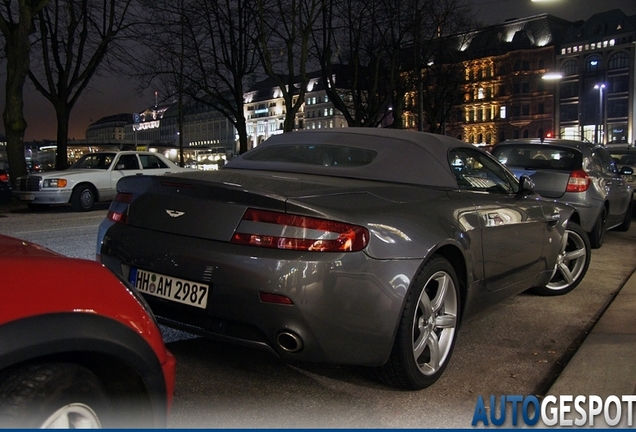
{"points": [[430, 319], [83, 198], [627, 221], [597, 234], [572, 263], [52, 394]]}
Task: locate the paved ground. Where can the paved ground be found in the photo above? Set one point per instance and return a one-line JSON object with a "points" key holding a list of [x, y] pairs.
{"points": [[605, 363]]}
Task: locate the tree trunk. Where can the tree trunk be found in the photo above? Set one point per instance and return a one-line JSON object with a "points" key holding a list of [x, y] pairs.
{"points": [[17, 49], [61, 157]]}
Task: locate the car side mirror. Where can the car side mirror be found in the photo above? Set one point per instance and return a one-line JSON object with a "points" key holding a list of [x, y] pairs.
{"points": [[627, 170], [526, 185]]}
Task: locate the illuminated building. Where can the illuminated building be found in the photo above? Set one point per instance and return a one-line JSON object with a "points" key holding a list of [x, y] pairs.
{"points": [[597, 91]]}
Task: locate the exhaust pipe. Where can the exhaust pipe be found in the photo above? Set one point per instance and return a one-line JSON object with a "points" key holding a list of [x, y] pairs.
{"points": [[289, 341]]}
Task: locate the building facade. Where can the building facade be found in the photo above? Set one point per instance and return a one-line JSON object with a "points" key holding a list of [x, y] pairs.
{"points": [[505, 95], [597, 92], [109, 128], [264, 108]]}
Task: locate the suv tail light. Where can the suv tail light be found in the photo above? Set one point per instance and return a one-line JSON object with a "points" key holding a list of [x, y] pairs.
{"points": [[293, 232], [118, 211], [4, 177], [579, 181]]}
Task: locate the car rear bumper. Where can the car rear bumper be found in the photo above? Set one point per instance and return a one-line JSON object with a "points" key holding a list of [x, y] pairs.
{"points": [[588, 209], [346, 306], [44, 197]]}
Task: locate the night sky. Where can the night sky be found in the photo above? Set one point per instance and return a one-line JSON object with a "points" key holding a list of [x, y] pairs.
{"points": [[110, 96]]}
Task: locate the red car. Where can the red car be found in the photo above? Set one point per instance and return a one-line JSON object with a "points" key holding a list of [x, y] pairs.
{"points": [[78, 346]]}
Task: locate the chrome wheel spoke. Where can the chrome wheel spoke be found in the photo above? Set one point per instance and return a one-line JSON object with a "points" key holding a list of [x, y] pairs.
{"points": [[446, 321], [434, 353], [565, 272], [438, 302], [420, 344], [572, 255]]}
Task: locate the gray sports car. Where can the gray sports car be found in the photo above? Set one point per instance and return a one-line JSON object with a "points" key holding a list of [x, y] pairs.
{"points": [[349, 246]]}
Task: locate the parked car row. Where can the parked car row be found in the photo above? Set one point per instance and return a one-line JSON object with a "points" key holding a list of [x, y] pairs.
{"points": [[353, 246]]}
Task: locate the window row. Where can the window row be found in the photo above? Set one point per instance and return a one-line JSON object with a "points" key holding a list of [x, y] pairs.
{"points": [[593, 63]]}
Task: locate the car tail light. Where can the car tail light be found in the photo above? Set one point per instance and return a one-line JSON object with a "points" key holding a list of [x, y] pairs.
{"points": [[118, 211], [579, 181], [294, 232], [275, 298], [4, 177]]}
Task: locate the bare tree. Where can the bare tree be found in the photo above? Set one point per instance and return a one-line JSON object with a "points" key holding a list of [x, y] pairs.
{"points": [[16, 24], [74, 37], [164, 34], [225, 58], [358, 48], [285, 32], [435, 69], [202, 51]]}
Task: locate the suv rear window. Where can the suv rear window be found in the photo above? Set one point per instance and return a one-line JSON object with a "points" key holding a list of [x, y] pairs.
{"points": [[539, 157]]}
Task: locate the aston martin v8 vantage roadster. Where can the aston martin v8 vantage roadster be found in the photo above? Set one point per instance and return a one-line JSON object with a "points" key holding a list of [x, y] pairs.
{"points": [[350, 246]]}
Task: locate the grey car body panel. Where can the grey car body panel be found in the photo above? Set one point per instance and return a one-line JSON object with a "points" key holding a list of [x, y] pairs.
{"points": [[346, 306]]}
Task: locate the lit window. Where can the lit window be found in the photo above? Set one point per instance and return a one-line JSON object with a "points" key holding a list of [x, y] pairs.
{"points": [[480, 93], [502, 112]]}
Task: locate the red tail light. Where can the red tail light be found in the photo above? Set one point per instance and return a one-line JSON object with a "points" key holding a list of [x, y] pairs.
{"points": [[118, 211], [275, 298], [579, 181], [294, 232], [4, 177]]}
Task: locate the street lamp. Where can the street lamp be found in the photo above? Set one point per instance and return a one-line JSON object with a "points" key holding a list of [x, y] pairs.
{"points": [[554, 77], [600, 133]]}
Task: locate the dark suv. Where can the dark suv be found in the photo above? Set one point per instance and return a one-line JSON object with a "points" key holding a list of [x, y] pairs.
{"points": [[578, 173]]}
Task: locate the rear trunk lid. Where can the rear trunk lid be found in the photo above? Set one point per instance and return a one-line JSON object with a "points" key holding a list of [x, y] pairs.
{"points": [[548, 183], [211, 205]]}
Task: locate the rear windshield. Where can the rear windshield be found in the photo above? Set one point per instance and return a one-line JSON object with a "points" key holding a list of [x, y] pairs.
{"points": [[539, 157], [319, 154], [624, 158]]}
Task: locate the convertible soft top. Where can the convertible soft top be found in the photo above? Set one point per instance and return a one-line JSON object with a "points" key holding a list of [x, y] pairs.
{"points": [[380, 154]]}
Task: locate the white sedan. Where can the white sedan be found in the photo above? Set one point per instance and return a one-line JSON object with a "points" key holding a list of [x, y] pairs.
{"points": [[91, 179]]}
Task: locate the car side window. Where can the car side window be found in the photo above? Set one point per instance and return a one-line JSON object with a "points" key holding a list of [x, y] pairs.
{"points": [[605, 160], [151, 162], [476, 171], [127, 162]]}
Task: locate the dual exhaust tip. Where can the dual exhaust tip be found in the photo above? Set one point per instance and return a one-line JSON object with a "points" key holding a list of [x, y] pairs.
{"points": [[289, 341]]}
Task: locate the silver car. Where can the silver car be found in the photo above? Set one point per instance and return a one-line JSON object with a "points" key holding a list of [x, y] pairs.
{"points": [[581, 174], [625, 157], [351, 246]]}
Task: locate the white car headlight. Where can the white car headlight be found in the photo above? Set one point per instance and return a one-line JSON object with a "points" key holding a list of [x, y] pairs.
{"points": [[54, 183]]}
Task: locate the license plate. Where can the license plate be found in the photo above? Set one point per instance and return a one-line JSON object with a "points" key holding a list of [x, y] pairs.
{"points": [[27, 197], [170, 288]]}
